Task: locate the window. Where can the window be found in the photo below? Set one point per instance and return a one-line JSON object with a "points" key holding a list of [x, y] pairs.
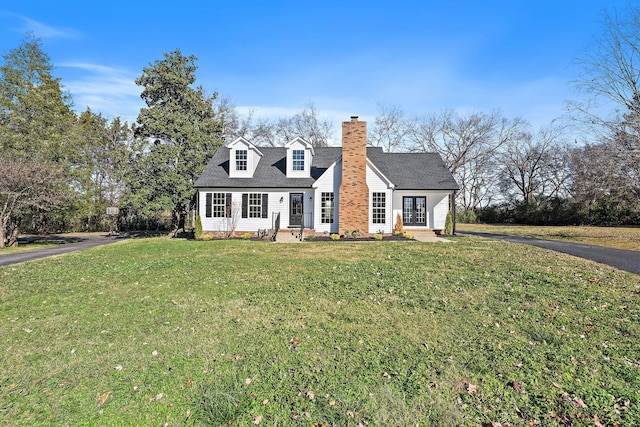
{"points": [[326, 208], [241, 160], [379, 208], [298, 160], [255, 205], [217, 205]]}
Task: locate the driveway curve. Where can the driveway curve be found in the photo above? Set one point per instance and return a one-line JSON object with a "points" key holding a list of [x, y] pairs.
{"points": [[84, 242], [618, 258]]}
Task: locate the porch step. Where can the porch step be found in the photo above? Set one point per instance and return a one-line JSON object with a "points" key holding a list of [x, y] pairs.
{"points": [[285, 236]]}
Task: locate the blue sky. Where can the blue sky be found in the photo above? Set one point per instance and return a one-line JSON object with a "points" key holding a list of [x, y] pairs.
{"points": [[344, 56]]}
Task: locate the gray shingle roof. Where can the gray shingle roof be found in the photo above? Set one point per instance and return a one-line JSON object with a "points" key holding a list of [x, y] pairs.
{"points": [[407, 171]]}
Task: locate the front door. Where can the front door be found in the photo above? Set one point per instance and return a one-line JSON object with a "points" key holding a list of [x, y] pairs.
{"points": [[414, 211], [295, 209]]}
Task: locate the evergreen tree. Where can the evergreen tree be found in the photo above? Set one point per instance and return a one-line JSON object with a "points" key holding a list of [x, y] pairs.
{"points": [[180, 132], [35, 114], [35, 119]]}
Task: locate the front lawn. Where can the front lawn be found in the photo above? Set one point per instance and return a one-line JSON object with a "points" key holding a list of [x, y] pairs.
{"points": [[611, 237], [174, 332]]}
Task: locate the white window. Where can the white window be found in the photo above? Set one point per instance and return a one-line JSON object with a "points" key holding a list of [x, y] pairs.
{"points": [[379, 210], [241, 160], [298, 160], [255, 205], [326, 211], [217, 205]]}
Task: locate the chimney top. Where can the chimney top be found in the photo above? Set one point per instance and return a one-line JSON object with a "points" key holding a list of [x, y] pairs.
{"points": [[354, 118]]}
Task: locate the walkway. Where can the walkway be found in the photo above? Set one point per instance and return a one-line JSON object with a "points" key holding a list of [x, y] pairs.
{"points": [[618, 258]]}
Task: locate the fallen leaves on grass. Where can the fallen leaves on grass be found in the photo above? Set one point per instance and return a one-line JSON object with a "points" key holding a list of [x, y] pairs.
{"points": [[575, 400], [517, 387], [257, 419], [103, 398], [470, 388]]}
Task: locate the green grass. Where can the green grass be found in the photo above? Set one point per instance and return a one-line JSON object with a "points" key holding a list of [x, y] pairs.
{"points": [[157, 331], [611, 237]]}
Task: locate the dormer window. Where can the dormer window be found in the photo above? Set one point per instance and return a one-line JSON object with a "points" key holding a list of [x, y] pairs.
{"points": [[241, 160], [298, 160]]}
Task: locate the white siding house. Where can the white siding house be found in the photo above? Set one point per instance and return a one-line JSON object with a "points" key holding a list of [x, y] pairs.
{"points": [[245, 188]]}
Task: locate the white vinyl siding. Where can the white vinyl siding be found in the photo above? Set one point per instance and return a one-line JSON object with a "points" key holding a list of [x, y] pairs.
{"points": [[440, 204], [379, 189], [329, 182], [437, 206]]}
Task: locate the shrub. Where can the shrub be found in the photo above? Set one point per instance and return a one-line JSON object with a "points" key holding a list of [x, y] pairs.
{"points": [[207, 237], [198, 231], [407, 235], [448, 224], [397, 229], [311, 237], [467, 216], [247, 236], [334, 236], [377, 236]]}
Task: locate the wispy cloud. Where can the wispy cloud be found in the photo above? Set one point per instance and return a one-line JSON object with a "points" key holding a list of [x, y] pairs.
{"points": [[45, 31], [110, 91]]}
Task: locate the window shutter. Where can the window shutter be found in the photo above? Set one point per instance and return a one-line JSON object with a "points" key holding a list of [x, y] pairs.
{"points": [[207, 207], [245, 205], [265, 206], [227, 205]]}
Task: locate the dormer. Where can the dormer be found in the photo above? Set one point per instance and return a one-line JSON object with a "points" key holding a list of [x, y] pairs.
{"points": [[243, 158], [299, 158]]}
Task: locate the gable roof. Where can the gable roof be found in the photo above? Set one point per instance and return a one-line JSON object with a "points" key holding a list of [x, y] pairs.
{"points": [[413, 171], [407, 171]]}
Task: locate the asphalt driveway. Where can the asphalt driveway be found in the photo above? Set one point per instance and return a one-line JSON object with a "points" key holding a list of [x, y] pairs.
{"points": [[618, 258], [84, 242]]}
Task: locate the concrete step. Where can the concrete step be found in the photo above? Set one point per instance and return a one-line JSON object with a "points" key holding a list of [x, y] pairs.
{"points": [[285, 236]]}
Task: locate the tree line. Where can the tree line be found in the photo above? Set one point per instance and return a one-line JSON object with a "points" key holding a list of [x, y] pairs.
{"points": [[60, 170]]}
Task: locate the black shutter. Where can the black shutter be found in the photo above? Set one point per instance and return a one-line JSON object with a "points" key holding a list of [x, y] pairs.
{"points": [[207, 206], [227, 205], [265, 206], [245, 205]]}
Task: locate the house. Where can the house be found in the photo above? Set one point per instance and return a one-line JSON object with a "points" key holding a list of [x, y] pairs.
{"points": [[245, 188]]}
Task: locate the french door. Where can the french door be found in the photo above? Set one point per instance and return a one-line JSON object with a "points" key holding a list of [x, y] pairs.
{"points": [[414, 211]]}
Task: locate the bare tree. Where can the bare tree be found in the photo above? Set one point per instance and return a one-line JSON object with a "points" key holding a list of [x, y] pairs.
{"points": [[26, 185], [533, 167], [610, 77], [259, 131], [308, 125], [231, 222], [608, 168], [390, 130], [468, 145], [264, 132]]}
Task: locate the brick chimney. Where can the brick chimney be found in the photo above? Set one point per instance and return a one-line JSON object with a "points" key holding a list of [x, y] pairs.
{"points": [[354, 193]]}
